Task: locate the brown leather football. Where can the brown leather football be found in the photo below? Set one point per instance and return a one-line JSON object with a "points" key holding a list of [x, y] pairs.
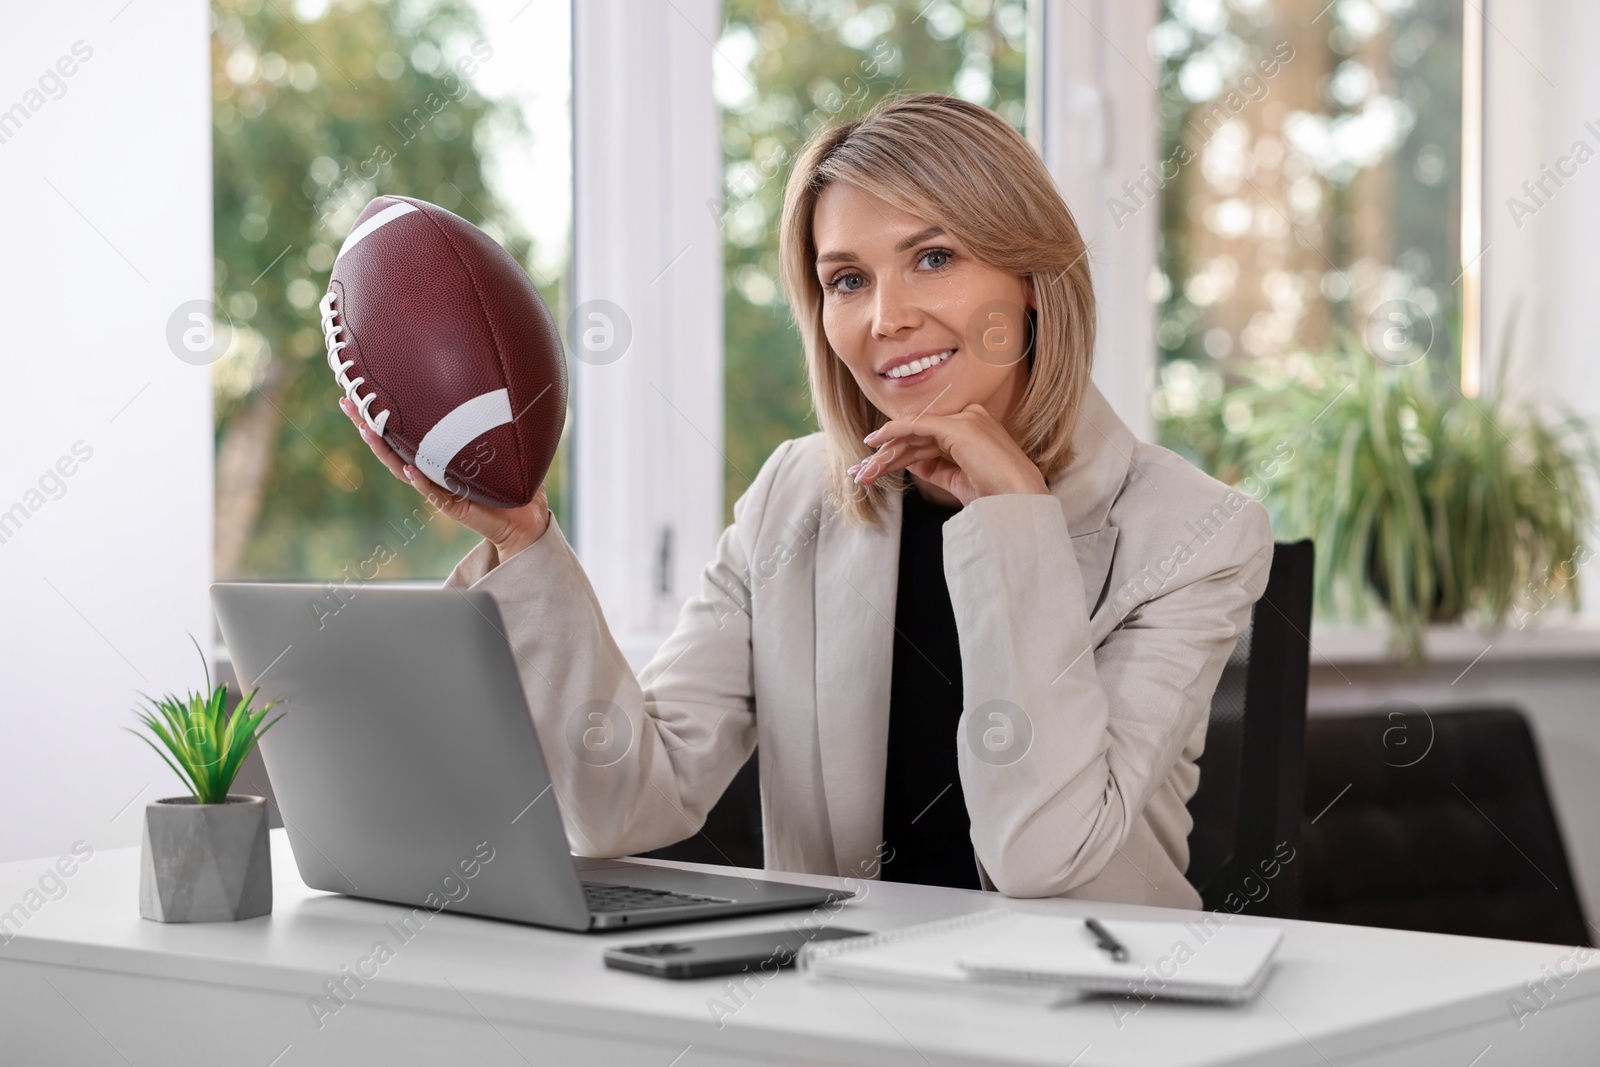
{"points": [[435, 333]]}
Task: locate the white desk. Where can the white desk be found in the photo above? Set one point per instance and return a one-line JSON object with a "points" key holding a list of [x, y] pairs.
{"points": [[86, 982]]}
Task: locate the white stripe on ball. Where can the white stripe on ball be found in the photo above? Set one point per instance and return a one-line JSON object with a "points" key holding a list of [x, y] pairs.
{"points": [[382, 218], [458, 429]]}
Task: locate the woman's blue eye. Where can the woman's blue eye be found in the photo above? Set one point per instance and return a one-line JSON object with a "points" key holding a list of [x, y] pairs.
{"points": [[839, 282], [937, 252]]}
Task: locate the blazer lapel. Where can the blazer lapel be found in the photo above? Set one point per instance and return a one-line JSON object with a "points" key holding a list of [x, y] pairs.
{"points": [[856, 586], [1093, 551]]}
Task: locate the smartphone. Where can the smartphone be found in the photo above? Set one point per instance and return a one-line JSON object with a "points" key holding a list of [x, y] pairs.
{"points": [[762, 952]]}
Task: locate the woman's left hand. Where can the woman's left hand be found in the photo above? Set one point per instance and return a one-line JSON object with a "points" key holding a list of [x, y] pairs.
{"points": [[967, 454]]}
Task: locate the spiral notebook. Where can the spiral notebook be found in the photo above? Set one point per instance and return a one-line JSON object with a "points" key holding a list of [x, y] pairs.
{"points": [[1045, 957]]}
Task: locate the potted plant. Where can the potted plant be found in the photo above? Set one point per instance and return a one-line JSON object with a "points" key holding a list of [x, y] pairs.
{"points": [[205, 857], [1439, 507]]}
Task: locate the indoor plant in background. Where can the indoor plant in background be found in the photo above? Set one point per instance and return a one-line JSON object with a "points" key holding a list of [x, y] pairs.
{"points": [[1440, 507], [205, 857]]}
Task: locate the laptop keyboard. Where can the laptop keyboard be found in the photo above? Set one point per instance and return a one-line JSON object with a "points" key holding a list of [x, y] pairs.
{"points": [[601, 898]]}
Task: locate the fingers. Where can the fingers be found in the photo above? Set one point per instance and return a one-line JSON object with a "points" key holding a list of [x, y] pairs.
{"points": [[500, 525], [895, 455], [871, 466], [449, 500], [380, 448], [444, 500], [901, 442], [896, 429], [386, 455]]}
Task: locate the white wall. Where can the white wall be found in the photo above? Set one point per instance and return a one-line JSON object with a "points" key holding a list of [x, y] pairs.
{"points": [[106, 176]]}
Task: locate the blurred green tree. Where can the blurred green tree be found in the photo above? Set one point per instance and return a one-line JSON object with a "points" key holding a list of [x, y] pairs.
{"points": [[312, 117], [805, 65]]}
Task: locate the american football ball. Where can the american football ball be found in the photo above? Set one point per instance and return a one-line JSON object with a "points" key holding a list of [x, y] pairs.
{"points": [[440, 340]]}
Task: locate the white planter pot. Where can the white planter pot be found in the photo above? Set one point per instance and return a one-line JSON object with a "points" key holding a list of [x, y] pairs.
{"points": [[205, 862]]}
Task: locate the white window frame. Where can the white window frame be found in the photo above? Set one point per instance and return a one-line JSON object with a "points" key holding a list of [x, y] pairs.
{"points": [[1095, 107], [647, 456]]}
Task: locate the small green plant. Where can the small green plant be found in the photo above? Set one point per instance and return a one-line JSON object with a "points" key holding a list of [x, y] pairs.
{"points": [[208, 745]]}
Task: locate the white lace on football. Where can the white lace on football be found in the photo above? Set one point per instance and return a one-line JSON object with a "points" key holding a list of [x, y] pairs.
{"points": [[330, 335]]}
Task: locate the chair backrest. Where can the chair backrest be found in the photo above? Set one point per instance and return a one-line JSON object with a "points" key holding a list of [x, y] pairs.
{"points": [[1436, 820], [1244, 850]]}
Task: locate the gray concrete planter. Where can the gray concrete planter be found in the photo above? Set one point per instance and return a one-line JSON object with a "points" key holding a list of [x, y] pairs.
{"points": [[204, 863]]}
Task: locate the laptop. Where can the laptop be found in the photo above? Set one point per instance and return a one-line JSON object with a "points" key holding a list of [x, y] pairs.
{"points": [[406, 767]]}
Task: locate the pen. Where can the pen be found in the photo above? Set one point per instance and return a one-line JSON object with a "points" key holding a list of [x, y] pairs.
{"points": [[1104, 940]]}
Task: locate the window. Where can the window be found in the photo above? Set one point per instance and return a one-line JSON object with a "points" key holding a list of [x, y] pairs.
{"points": [[787, 70], [1310, 183], [316, 109]]}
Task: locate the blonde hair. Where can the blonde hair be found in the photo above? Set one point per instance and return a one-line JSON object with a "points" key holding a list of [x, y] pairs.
{"points": [[962, 167]]}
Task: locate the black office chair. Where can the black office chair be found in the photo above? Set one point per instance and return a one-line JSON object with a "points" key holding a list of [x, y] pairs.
{"points": [[1245, 847], [1435, 820]]}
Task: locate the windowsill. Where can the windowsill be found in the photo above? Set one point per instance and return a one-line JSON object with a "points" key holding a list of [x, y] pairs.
{"points": [[1348, 645]]}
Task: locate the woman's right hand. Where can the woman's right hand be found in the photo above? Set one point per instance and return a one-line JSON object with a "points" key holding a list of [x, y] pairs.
{"points": [[510, 530]]}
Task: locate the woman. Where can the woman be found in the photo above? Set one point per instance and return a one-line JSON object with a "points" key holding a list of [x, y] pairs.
{"points": [[974, 624]]}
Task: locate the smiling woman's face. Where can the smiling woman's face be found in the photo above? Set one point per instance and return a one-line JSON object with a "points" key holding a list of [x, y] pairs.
{"points": [[899, 292]]}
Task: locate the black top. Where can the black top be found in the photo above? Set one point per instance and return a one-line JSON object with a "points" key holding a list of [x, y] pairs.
{"points": [[924, 810]]}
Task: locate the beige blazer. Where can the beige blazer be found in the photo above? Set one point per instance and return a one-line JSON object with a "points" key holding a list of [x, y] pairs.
{"points": [[1093, 625]]}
